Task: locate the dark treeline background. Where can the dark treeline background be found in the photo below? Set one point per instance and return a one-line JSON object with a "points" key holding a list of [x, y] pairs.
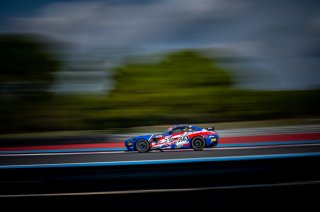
{"points": [[184, 86]]}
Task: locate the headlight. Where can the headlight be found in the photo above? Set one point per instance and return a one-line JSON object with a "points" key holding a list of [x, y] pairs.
{"points": [[129, 142]]}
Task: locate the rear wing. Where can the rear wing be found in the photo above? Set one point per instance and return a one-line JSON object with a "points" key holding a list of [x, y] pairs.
{"points": [[210, 128]]}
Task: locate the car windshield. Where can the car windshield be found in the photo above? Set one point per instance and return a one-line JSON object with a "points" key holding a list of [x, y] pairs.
{"points": [[166, 132]]}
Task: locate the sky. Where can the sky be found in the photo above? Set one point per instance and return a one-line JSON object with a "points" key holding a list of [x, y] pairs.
{"points": [[280, 39]]}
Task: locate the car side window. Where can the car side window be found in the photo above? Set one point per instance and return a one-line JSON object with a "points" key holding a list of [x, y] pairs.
{"points": [[192, 129], [177, 130]]}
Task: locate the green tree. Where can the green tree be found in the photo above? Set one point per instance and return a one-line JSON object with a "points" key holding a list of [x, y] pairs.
{"points": [[183, 86], [188, 87], [27, 66]]}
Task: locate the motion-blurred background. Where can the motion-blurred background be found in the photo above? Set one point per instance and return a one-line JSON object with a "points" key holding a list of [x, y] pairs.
{"points": [[114, 64]]}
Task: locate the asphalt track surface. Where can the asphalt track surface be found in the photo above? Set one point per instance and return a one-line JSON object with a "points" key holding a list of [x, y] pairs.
{"points": [[272, 171], [121, 157], [250, 177]]}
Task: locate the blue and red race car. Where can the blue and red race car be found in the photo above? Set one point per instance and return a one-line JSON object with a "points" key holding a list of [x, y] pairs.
{"points": [[177, 137]]}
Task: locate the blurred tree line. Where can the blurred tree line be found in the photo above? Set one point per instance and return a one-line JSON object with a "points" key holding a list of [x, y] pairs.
{"points": [[186, 87], [183, 87]]}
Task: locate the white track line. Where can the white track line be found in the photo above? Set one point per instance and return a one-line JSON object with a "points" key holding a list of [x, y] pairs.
{"points": [[264, 147], [155, 151], [162, 190]]}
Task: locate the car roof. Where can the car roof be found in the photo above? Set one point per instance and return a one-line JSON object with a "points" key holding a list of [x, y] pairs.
{"points": [[182, 125]]}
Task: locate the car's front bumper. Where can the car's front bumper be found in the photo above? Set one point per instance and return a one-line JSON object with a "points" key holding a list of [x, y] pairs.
{"points": [[129, 144]]}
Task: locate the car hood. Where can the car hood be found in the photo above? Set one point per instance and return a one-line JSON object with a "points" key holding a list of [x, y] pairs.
{"points": [[146, 137]]}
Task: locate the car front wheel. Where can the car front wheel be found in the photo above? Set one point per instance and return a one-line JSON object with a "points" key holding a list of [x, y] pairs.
{"points": [[142, 146]]}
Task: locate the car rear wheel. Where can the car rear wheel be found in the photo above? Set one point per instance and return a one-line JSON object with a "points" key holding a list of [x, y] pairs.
{"points": [[198, 144], [142, 146]]}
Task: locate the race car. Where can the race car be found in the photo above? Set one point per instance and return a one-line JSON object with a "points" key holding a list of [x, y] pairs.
{"points": [[182, 136]]}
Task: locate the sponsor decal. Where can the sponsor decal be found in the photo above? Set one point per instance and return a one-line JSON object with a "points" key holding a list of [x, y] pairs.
{"points": [[181, 141]]}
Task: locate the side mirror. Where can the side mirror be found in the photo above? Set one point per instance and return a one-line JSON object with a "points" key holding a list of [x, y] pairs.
{"points": [[210, 128]]}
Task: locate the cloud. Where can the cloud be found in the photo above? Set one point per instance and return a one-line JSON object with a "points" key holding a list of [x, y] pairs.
{"points": [[97, 23], [278, 35]]}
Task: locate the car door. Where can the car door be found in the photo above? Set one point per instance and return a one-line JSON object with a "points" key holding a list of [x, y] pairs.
{"points": [[179, 136]]}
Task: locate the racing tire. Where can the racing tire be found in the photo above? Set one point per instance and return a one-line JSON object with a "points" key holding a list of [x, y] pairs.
{"points": [[198, 144], [142, 146]]}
